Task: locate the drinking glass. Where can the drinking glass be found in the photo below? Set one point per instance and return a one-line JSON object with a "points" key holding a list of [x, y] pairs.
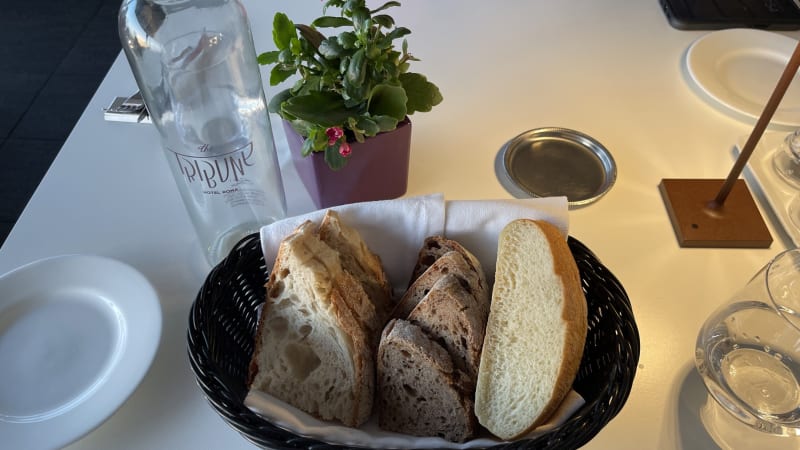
{"points": [[786, 160], [748, 350]]}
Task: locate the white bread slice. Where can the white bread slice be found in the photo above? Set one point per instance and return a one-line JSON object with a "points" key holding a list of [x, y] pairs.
{"points": [[365, 266], [451, 315], [452, 262], [420, 392], [536, 330], [311, 350]]}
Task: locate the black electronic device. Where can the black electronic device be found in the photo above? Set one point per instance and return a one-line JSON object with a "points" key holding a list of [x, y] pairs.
{"points": [[721, 14]]}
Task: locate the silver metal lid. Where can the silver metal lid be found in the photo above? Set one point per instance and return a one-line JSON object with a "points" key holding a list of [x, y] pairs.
{"points": [[547, 162]]}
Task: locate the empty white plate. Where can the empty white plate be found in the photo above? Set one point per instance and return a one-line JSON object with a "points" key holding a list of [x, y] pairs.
{"points": [[739, 69], [77, 335]]}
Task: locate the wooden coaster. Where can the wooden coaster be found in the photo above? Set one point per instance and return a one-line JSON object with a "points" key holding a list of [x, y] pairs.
{"points": [[735, 224]]}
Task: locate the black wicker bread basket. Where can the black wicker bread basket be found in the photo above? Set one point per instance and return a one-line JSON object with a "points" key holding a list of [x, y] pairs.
{"points": [[223, 321]]}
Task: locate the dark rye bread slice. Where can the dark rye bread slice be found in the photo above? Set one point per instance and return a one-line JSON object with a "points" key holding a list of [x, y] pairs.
{"points": [[451, 315], [434, 248], [357, 259], [311, 350], [420, 392], [437, 246], [452, 262]]}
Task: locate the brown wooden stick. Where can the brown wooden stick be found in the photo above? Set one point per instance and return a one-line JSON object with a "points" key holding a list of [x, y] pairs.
{"points": [[758, 130]]}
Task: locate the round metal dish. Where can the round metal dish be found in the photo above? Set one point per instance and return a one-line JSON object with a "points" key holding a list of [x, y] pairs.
{"points": [[547, 162]]}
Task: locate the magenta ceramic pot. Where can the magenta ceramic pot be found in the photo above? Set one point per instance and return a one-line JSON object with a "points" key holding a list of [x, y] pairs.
{"points": [[377, 169]]}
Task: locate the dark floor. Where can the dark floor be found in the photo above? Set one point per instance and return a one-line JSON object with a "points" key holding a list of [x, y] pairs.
{"points": [[53, 56]]}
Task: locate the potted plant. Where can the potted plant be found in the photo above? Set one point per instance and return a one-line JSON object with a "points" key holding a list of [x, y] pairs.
{"points": [[350, 102]]}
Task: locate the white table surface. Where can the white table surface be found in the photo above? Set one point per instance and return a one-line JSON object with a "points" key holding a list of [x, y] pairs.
{"points": [[611, 69]]}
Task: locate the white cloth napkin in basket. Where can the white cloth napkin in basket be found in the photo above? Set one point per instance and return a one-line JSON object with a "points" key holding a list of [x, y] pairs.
{"points": [[395, 230]]}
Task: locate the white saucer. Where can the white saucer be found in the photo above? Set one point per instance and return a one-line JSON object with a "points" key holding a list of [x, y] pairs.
{"points": [[739, 68], [77, 335]]}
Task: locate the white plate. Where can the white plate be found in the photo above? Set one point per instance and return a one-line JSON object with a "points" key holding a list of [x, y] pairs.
{"points": [[739, 68], [77, 334]]}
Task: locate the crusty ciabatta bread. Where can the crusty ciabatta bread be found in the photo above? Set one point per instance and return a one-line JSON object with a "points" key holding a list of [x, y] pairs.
{"points": [[451, 315], [364, 265], [452, 262], [420, 392], [536, 330], [311, 350]]}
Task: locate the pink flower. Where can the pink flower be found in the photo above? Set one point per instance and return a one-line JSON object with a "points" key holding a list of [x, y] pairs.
{"points": [[334, 134], [344, 149]]}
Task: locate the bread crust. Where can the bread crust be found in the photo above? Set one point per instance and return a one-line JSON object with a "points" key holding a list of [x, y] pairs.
{"points": [[436, 246], [366, 268], [496, 416], [452, 262], [334, 290], [439, 324], [420, 391], [450, 313], [574, 316]]}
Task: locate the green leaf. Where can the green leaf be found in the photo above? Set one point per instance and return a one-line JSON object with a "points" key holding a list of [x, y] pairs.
{"points": [[333, 158], [356, 70], [332, 22], [285, 56], [334, 3], [361, 18], [398, 33], [387, 100], [282, 30], [326, 109], [385, 6], [385, 123], [310, 83], [368, 126], [350, 5], [330, 48], [268, 58], [279, 74], [296, 47], [422, 94], [300, 126], [355, 95], [274, 105], [383, 20], [308, 147], [347, 39], [320, 138], [373, 52]]}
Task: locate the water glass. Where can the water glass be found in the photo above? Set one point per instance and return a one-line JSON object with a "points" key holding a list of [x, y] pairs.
{"points": [[786, 159], [748, 350]]}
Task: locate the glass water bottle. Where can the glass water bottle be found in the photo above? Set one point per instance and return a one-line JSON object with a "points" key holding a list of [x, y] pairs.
{"points": [[195, 64]]}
